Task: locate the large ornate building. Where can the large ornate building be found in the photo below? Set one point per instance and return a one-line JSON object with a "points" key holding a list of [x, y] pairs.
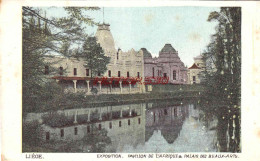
{"points": [[122, 71], [168, 64]]}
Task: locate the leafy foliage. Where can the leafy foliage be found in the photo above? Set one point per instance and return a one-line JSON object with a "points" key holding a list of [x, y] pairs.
{"points": [[223, 76], [94, 56], [97, 140], [45, 36]]}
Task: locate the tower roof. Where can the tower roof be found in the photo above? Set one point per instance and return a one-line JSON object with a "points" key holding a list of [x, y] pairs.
{"points": [[147, 54], [168, 48], [194, 66], [105, 38]]}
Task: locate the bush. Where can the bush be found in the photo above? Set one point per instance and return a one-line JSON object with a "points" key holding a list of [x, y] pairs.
{"points": [[54, 119], [30, 134], [94, 91]]}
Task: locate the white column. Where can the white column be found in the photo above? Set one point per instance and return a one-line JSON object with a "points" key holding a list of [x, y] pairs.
{"points": [[120, 82], [130, 112], [111, 112], [89, 115], [75, 117], [110, 85], [99, 85], [87, 86], [130, 86], [75, 85], [100, 114]]}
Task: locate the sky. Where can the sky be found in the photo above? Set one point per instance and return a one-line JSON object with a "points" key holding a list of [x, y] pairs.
{"points": [[185, 28]]}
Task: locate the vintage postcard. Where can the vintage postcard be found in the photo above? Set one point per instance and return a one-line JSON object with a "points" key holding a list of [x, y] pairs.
{"points": [[107, 81]]}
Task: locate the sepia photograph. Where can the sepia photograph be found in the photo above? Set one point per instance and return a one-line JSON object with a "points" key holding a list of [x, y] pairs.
{"points": [[131, 79]]}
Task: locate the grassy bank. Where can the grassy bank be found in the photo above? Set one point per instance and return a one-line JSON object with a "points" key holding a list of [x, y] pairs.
{"points": [[159, 93]]}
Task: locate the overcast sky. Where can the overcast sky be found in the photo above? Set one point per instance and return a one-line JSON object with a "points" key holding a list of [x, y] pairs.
{"points": [[186, 28]]}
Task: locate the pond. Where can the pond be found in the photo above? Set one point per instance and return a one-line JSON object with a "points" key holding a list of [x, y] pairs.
{"points": [[166, 126]]}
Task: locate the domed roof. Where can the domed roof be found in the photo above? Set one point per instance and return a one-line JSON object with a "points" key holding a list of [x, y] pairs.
{"points": [[147, 54], [168, 48], [105, 38]]}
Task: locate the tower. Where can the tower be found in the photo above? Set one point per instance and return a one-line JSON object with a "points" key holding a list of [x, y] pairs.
{"points": [[106, 40]]}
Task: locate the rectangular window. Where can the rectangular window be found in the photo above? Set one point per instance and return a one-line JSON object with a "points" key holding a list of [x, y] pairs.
{"points": [[61, 133], [75, 131], [99, 126], [175, 112], [194, 79], [46, 70], [153, 71], [99, 74], [109, 73], [164, 75], [128, 75], [120, 124], [174, 75], [165, 112], [129, 122], [158, 73], [138, 74], [61, 70], [47, 135], [88, 129], [118, 74], [75, 71], [110, 125], [87, 72], [139, 120]]}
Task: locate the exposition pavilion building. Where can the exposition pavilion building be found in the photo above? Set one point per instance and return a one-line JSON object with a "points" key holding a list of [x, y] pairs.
{"points": [[124, 72], [167, 65]]}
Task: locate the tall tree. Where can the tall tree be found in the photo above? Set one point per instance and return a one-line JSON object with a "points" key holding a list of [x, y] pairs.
{"points": [[224, 82], [94, 57], [48, 35]]}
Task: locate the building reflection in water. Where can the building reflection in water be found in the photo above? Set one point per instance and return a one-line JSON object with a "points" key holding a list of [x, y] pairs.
{"points": [[168, 120], [127, 125]]}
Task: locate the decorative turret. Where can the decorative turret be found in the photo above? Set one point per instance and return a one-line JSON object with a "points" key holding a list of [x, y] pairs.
{"points": [[105, 38]]}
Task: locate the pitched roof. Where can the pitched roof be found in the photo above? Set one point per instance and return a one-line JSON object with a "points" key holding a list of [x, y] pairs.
{"points": [[194, 66], [146, 53], [168, 48]]}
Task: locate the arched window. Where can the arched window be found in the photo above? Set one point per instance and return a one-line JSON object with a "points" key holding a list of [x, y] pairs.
{"points": [[75, 71], [109, 73], [61, 70], [174, 75], [46, 71], [87, 72]]}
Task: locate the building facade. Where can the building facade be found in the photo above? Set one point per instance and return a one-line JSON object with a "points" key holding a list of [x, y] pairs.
{"points": [[168, 64], [195, 71], [122, 75]]}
